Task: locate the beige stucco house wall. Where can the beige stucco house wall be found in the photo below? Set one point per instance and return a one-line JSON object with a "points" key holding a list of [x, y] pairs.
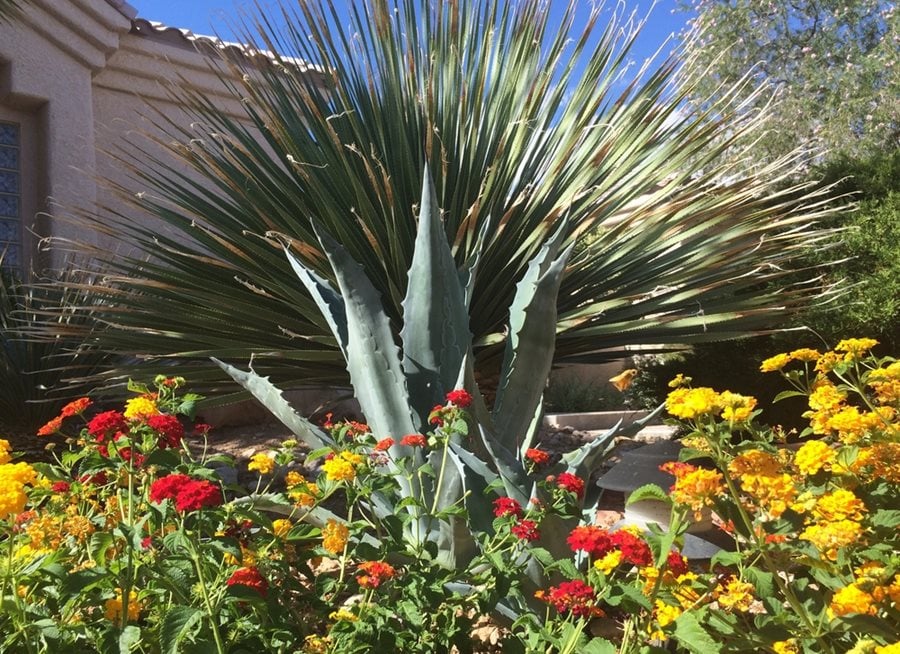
{"points": [[77, 78]]}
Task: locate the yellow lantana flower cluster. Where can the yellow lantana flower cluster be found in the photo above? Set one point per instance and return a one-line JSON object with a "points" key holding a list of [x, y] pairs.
{"points": [[140, 407], [763, 479], [734, 595], [305, 493], [14, 477], [343, 466], [814, 456], [114, 607], [692, 403], [335, 536], [261, 463]]}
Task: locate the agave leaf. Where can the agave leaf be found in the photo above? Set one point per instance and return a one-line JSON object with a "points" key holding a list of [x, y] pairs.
{"points": [[532, 428], [330, 303], [478, 509], [271, 398], [435, 332], [504, 467], [456, 547], [529, 347], [583, 460], [469, 269], [373, 359]]}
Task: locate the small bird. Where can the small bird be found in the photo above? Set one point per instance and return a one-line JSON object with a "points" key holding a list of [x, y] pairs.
{"points": [[623, 380]]}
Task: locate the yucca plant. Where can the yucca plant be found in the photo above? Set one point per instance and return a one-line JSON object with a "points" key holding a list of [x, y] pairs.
{"points": [[522, 121]]}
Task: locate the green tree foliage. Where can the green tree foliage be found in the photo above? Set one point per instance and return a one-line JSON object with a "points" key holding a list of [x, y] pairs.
{"points": [[525, 122], [870, 250], [832, 65]]}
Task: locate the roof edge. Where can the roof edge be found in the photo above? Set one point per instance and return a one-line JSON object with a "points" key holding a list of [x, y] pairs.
{"points": [[123, 8]]}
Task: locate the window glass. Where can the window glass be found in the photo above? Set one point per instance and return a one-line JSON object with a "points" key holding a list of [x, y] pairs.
{"points": [[10, 196]]}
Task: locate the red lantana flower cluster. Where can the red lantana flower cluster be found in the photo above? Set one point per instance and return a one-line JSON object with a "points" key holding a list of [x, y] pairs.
{"points": [[507, 506], [575, 597], [460, 398], [384, 444], [75, 408], [676, 563], [413, 440], [251, 578], [522, 529], [106, 425], [569, 482], [598, 542], [526, 530], [169, 429], [374, 573], [536, 456], [189, 494]]}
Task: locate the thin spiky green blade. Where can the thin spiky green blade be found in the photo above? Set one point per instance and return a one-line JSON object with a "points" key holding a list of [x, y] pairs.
{"points": [[435, 330]]}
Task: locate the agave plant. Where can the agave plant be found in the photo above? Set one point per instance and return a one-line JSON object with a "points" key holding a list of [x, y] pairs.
{"points": [[398, 386], [522, 118]]}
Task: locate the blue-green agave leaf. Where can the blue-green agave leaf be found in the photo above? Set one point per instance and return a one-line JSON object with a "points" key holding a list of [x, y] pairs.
{"points": [[271, 398], [455, 535], [435, 332], [373, 358], [479, 508], [330, 303], [530, 344], [470, 268], [504, 467]]}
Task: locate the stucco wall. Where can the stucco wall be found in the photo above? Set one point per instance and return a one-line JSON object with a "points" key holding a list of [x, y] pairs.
{"points": [[48, 58], [87, 78]]}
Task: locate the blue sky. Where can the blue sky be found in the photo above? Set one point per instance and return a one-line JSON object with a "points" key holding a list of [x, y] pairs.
{"points": [[214, 16]]}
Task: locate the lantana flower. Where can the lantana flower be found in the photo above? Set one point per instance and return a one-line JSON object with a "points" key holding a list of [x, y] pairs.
{"points": [[261, 463], [574, 597], [249, 577], [507, 506], [536, 456], [460, 398], [569, 482], [140, 407], [335, 536], [414, 440], [371, 574], [113, 607], [526, 530], [342, 466]]}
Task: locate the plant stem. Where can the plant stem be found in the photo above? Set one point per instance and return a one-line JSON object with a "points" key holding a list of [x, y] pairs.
{"points": [[770, 566], [210, 612], [440, 481]]}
